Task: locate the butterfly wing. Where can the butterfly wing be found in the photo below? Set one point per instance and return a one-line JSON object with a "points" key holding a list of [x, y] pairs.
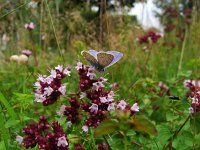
{"points": [[104, 59], [90, 57], [101, 60], [117, 57], [93, 53]]}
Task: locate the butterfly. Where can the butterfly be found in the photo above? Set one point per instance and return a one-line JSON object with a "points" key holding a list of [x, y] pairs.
{"points": [[101, 60]]}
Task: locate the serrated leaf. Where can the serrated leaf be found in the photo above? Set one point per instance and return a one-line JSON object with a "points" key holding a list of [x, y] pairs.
{"points": [[164, 133], [141, 124], [106, 127]]}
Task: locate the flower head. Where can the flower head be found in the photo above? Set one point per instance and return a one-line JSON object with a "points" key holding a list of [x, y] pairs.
{"points": [[26, 52], [103, 99], [135, 107], [62, 89], [79, 66], [62, 110], [191, 110], [85, 128], [98, 85], [111, 107], [19, 139], [67, 71], [122, 105], [62, 142], [30, 26], [94, 108], [49, 88]]}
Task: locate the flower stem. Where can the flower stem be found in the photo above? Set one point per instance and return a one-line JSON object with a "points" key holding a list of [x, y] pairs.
{"points": [[125, 142], [182, 52]]}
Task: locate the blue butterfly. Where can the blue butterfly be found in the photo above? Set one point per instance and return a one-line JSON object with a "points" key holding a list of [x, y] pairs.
{"points": [[101, 60]]}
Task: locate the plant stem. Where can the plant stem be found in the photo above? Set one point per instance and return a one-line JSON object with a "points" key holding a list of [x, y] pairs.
{"points": [[125, 142], [107, 142], [54, 30], [182, 52], [176, 133]]}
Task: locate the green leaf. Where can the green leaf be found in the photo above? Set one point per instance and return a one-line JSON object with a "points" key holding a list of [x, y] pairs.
{"points": [[141, 124], [164, 133], [106, 127]]}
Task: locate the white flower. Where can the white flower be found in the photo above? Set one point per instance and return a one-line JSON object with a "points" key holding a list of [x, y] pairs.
{"points": [[94, 108], [121, 105], [59, 68], [79, 66], [193, 82], [53, 73], [110, 99], [111, 94], [39, 98], [26, 25], [98, 85], [111, 107], [19, 139], [103, 99], [85, 128], [62, 110], [41, 78], [69, 124], [14, 58], [102, 79], [32, 4], [62, 141], [67, 71], [22, 59], [48, 90], [191, 110], [194, 100], [91, 73], [48, 80], [135, 107], [62, 89], [186, 83], [82, 95], [37, 85]]}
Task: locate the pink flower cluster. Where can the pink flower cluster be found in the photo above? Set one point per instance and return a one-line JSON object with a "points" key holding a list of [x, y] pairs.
{"points": [[49, 89], [88, 107], [48, 137], [148, 37], [122, 105], [30, 26], [193, 93], [94, 100], [27, 52]]}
